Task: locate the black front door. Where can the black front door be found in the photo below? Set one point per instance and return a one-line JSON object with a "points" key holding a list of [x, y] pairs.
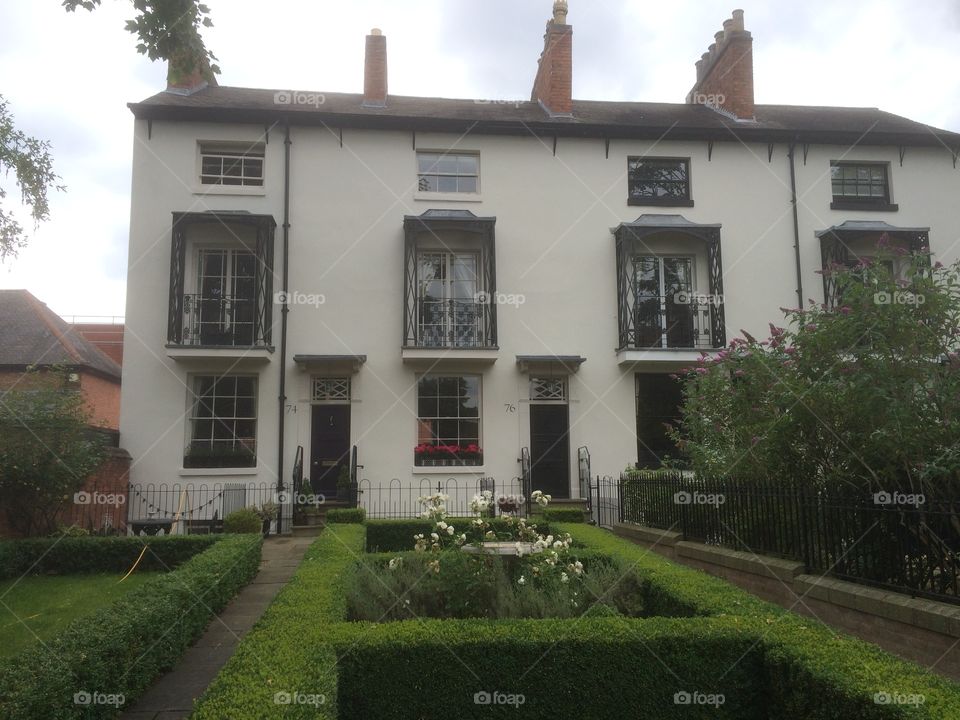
{"points": [[658, 404], [550, 449], [329, 447]]}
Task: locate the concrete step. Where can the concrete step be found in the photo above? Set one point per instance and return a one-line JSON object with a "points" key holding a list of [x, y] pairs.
{"points": [[307, 530]]}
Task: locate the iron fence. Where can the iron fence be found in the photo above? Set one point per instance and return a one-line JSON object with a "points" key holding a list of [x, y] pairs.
{"points": [[898, 541], [190, 508], [396, 499]]}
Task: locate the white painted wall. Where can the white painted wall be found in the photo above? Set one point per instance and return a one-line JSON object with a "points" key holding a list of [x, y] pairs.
{"points": [[554, 246]]}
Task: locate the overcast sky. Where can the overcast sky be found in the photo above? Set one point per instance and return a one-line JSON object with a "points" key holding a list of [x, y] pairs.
{"points": [[68, 78]]}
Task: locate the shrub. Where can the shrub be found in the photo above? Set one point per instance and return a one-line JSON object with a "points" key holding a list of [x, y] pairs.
{"points": [[471, 587], [635, 667], [346, 515], [568, 515], [288, 651], [397, 535], [122, 648], [244, 520], [73, 555]]}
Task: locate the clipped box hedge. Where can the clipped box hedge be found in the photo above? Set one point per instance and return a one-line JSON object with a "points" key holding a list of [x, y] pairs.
{"points": [[288, 651], [73, 555], [592, 668], [706, 637], [564, 515], [346, 516], [120, 649]]}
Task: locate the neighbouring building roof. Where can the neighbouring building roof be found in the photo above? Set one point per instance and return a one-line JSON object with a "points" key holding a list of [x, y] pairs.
{"points": [[678, 121], [31, 334]]}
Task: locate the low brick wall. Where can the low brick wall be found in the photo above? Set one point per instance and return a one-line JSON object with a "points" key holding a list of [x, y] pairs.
{"points": [[105, 493], [924, 631]]}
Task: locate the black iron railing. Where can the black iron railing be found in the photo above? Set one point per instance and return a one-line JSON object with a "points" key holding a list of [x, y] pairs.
{"points": [[396, 499], [221, 321], [452, 323], [673, 321], [886, 540]]}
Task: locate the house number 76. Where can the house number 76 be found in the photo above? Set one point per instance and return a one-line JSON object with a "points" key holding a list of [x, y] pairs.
{"points": [[508, 408]]}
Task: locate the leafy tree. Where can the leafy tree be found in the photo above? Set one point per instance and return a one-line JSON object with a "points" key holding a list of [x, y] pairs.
{"points": [[865, 394], [32, 165], [47, 450], [165, 29]]}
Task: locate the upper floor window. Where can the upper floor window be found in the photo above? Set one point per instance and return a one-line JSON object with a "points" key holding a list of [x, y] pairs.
{"points": [[858, 185], [239, 164], [448, 172], [659, 181]]}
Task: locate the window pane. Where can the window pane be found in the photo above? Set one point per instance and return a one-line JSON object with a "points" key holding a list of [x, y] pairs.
{"points": [[467, 165], [467, 184], [427, 387], [427, 407], [447, 183], [427, 162], [447, 164]]}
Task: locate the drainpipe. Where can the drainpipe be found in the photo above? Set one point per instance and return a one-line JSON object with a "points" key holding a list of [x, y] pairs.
{"points": [[284, 310], [796, 222]]}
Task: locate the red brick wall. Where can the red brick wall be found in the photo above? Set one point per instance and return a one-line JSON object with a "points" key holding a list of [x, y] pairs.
{"points": [[106, 336], [103, 399], [103, 504]]}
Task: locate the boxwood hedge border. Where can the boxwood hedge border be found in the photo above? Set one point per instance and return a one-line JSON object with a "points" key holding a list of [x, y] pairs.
{"points": [[122, 648], [777, 664]]}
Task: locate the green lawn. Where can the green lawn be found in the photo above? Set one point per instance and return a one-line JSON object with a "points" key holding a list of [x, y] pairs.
{"points": [[43, 606]]}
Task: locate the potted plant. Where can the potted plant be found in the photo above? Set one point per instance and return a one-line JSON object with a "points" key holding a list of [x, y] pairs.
{"points": [[268, 513], [441, 455], [204, 456]]}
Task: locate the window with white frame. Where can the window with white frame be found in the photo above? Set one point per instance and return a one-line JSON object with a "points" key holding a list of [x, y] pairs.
{"points": [[448, 172], [235, 164], [448, 420], [223, 422]]}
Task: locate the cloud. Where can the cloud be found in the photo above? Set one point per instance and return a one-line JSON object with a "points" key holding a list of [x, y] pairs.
{"points": [[68, 77]]}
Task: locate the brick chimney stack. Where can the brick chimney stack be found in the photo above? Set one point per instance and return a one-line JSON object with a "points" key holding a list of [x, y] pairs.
{"points": [[725, 71], [553, 87], [375, 70], [185, 77]]}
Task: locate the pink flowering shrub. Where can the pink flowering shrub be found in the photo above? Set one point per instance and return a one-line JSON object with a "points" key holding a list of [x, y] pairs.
{"points": [[866, 392]]}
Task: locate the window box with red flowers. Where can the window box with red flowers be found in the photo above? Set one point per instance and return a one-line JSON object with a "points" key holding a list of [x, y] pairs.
{"points": [[426, 455]]}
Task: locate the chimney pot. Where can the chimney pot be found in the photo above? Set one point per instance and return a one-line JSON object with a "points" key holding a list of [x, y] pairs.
{"points": [[718, 37], [375, 70], [560, 10], [727, 28], [738, 20]]}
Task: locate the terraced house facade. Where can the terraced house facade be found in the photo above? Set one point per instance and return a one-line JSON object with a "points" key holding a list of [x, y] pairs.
{"points": [[455, 288]]}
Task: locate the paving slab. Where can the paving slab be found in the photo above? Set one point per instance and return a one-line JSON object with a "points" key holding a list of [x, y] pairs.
{"points": [[172, 696]]}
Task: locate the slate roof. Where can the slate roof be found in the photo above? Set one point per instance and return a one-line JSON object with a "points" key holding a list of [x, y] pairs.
{"points": [[774, 123], [32, 334]]}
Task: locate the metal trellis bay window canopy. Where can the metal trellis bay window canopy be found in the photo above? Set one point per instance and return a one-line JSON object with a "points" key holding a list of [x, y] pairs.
{"points": [[233, 302], [450, 281], [658, 305], [839, 247]]}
